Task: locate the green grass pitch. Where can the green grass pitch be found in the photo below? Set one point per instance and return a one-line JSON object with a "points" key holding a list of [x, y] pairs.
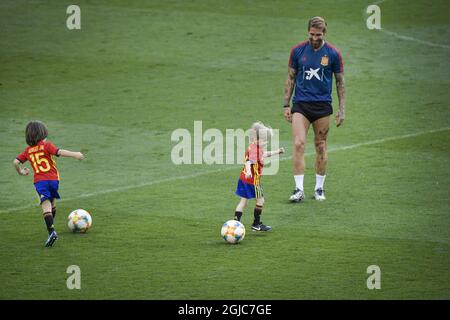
{"points": [[137, 70]]}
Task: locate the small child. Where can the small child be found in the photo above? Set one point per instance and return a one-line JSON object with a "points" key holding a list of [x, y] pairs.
{"points": [[249, 186], [46, 177]]}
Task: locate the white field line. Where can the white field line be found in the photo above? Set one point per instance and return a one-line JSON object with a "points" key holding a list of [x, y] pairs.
{"points": [[227, 168], [407, 38]]}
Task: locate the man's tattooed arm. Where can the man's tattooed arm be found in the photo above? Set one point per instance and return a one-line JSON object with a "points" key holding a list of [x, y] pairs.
{"points": [[289, 86], [340, 87]]}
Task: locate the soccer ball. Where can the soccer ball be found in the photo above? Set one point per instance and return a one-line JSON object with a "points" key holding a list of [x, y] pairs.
{"points": [[79, 221], [233, 231]]}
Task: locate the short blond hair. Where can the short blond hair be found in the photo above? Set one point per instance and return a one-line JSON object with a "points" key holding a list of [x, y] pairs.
{"points": [[318, 23], [260, 132]]}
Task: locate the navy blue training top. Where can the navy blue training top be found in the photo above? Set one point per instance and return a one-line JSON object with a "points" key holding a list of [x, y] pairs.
{"points": [[314, 71]]}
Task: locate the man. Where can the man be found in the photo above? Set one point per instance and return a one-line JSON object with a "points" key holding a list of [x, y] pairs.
{"points": [[311, 66]]}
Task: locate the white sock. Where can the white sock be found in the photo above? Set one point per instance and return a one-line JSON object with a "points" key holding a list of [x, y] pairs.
{"points": [[299, 181], [319, 181]]}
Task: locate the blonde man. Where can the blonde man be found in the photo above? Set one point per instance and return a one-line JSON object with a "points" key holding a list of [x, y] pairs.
{"points": [[311, 66]]}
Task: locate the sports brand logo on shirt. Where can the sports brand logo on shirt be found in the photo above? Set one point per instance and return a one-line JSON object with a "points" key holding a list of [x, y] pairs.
{"points": [[312, 73]]}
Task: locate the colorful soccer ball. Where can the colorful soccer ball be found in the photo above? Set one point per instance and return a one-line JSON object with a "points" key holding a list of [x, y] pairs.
{"points": [[79, 221], [233, 231]]}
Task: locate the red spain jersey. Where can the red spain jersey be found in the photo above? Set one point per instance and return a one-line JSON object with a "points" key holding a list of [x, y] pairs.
{"points": [[41, 159], [254, 154]]}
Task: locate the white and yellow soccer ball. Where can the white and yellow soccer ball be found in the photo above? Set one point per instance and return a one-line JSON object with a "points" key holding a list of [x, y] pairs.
{"points": [[79, 221], [233, 231]]}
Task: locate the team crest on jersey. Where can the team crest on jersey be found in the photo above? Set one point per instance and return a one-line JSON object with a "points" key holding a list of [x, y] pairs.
{"points": [[324, 61]]}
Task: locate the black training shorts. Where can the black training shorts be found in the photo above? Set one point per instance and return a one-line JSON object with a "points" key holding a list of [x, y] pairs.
{"points": [[313, 110]]}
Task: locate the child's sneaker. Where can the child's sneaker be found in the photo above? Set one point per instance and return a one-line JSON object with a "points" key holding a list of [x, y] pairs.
{"points": [[51, 239], [261, 227]]}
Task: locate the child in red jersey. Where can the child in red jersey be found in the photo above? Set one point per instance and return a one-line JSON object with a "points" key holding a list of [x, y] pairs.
{"points": [[249, 186], [46, 177]]}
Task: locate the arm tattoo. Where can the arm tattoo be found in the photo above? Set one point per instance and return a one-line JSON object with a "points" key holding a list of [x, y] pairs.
{"points": [[340, 87], [289, 85]]}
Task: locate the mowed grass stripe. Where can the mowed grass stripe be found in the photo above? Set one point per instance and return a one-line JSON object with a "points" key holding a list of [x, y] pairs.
{"points": [[195, 175]]}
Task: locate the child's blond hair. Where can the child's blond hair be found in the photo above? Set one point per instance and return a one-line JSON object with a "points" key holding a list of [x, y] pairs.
{"points": [[260, 132]]}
